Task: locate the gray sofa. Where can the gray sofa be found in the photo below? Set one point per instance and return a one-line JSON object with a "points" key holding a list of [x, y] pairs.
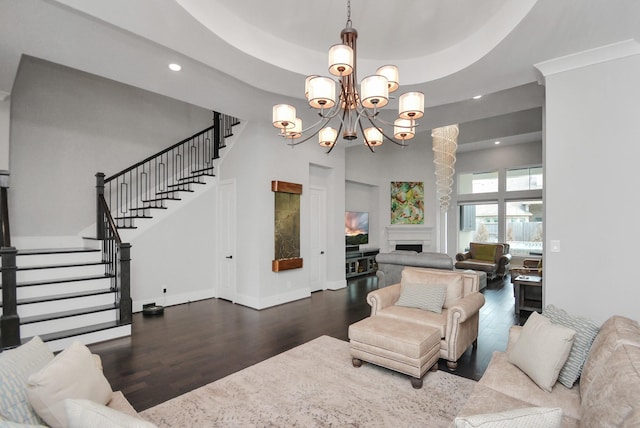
{"points": [[390, 264]]}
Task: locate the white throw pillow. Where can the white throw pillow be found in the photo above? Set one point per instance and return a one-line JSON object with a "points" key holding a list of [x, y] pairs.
{"points": [[429, 297], [85, 413], [73, 373], [541, 350], [530, 417]]}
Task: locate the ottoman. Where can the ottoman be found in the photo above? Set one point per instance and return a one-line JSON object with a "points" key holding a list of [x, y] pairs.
{"points": [[399, 345]]}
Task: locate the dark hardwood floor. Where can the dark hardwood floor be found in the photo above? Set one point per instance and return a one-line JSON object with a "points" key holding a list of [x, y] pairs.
{"points": [[197, 343]]}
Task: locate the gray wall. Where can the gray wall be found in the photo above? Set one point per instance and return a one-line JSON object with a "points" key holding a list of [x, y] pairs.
{"points": [[67, 125]]}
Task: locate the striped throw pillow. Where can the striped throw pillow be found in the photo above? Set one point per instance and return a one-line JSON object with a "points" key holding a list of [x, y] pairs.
{"points": [[586, 331], [16, 365], [429, 297]]}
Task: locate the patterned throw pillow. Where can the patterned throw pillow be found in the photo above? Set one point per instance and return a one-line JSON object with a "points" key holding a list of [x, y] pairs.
{"points": [[586, 331], [16, 365], [530, 417], [429, 297]]}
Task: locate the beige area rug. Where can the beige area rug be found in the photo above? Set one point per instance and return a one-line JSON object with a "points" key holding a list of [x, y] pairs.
{"points": [[315, 385]]}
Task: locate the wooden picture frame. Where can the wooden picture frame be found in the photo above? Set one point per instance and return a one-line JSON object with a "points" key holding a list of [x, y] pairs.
{"points": [[286, 226]]}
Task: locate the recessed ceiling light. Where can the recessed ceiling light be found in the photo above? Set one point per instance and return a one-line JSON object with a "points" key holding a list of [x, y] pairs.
{"points": [[496, 143], [477, 97], [175, 67]]}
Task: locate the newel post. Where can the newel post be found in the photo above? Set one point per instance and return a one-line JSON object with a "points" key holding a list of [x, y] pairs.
{"points": [[99, 209], [125, 283], [217, 134], [5, 233], [9, 322]]}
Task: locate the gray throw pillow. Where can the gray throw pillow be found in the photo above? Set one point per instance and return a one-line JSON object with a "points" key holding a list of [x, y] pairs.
{"points": [[429, 297], [586, 331]]}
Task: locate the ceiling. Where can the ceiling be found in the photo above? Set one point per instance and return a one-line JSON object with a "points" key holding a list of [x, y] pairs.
{"points": [[242, 56]]}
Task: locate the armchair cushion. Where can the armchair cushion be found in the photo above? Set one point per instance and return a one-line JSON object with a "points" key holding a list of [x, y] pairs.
{"points": [[484, 252], [429, 297], [453, 283]]}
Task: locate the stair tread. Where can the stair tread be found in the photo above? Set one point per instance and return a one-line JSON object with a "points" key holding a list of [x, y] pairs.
{"points": [[62, 296], [61, 265], [77, 331], [161, 199], [147, 208], [190, 180], [127, 217], [59, 280], [38, 251], [166, 192], [67, 314], [210, 168]]}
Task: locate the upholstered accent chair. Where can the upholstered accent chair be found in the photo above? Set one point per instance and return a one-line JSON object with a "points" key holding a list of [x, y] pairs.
{"points": [[459, 318], [492, 258]]}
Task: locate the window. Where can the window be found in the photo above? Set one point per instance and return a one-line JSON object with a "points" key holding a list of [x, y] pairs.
{"points": [[524, 179], [524, 226], [478, 182], [478, 223]]}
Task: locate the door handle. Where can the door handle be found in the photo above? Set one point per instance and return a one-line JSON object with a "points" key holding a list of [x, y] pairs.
{"points": [[229, 257], [321, 252]]}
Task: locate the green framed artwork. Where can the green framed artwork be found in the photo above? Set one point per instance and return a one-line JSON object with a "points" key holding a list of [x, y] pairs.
{"points": [[407, 202], [287, 226]]}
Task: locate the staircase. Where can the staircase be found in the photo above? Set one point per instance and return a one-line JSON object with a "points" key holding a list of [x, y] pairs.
{"points": [[63, 294]]}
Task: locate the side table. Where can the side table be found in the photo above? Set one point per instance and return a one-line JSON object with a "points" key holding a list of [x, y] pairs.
{"points": [[528, 293]]}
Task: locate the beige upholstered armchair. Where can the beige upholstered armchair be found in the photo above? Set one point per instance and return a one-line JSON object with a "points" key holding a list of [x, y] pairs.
{"points": [[458, 322]]}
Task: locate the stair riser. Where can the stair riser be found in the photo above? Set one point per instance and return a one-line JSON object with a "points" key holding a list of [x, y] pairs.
{"points": [[89, 338], [64, 305], [67, 272], [58, 258], [62, 288], [44, 327]]}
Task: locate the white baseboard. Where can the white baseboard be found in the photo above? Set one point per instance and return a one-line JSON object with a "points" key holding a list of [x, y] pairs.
{"points": [[279, 299], [336, 285], [174, 299]]}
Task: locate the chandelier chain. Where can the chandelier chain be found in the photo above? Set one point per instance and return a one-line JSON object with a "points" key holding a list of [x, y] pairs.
{"points": [[349, 24]]}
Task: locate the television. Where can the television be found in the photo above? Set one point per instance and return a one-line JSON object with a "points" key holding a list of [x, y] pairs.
{"points": [[356, 228]]}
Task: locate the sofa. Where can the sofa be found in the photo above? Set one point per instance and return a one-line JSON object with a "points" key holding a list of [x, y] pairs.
{"points": [[607, 393], [390, 264], [40, 389], [492, 258], [459, 317]]}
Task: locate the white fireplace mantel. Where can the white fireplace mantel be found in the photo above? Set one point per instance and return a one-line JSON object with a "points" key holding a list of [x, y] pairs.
{"points": [[410, 234]]}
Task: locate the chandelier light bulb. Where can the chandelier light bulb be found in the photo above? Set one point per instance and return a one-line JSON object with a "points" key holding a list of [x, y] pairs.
{"points": [[284, 116], [374, 91], [327, 136], [392, 74], [322, 92], [411, 105], [340, 60]]}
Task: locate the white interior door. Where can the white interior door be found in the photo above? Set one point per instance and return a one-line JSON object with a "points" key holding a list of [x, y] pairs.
{"points": [[227, 234], [318, 239]]}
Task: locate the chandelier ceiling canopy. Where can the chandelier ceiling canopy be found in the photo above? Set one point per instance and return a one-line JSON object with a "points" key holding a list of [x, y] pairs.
{"points": [[340, 97]]}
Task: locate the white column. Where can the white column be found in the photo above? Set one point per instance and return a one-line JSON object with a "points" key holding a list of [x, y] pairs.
{"points": [[591, 151]]}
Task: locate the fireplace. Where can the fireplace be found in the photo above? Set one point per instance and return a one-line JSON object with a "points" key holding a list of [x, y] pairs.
{"points": [[410, 237], [410, 247]]}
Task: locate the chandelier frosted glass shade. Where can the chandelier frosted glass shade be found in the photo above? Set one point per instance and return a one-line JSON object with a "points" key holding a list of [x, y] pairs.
{"points": [[392, 74], [322, 92], [374, 91], [445, 144], [404, 129], [411, 105], [340, 60], [373, 136], [327, 136], [284, 116], [296, 130]]}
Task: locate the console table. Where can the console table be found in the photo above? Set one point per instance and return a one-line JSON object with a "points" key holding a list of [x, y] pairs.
{"points": [[528, 293], [361, 262]]}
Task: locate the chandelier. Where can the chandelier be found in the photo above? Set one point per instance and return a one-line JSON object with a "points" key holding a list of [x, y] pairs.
{"points": [[351, 106], [445, 143]]}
